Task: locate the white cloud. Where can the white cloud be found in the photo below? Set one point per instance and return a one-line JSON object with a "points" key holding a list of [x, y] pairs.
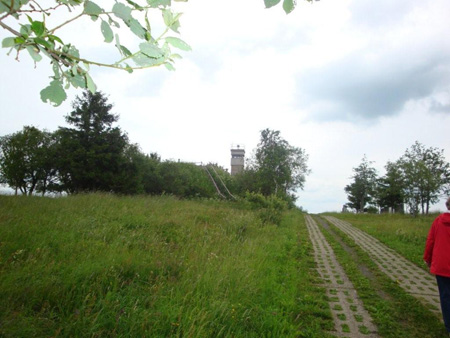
{"points": [[338, 78]]}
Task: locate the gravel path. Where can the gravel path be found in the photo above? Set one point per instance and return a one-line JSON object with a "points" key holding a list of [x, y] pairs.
{"points": [[350, 317], [410, 277]]}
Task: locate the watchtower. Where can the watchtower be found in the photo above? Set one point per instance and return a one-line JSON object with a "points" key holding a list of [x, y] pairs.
{"points": [[237, 158]]}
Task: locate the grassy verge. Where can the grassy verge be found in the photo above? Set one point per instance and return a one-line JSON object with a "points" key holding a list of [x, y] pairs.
{"points": [[396, 313], [100, 265], [403, 233]]}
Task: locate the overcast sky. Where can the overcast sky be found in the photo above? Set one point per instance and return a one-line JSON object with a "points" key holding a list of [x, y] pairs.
{"points": [[340, 79]]}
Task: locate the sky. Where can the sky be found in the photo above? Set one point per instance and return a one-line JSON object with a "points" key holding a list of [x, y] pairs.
{"points": [[339, 79]]}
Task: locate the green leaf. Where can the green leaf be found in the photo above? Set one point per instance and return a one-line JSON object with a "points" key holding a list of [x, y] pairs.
{"points": [[135, 5], [118, 46], [151, 50], [125, 51], [19, 40], [54, 93], [56, 70], [121, 11], [157, 3], [169, 66], [3, 8], [128, 68], [147, 23], [25, 30], [175, 26], [90, 83], [107, 31], [145, 61], [171, 19], [8, 42], [43, 51], [136, 28], [168, 17], [38, 27], [91, 8], [34, 54], [289, 5], [178, 43], [44, 43], [55, 38], [271, 3], [113, 22], [78, 81], [74, 52]]}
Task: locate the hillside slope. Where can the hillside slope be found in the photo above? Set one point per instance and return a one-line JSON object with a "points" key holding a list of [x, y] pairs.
{"points": [[101, 265]]}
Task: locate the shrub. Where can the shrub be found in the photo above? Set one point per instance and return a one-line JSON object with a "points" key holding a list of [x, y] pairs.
{"points": [[270, 208]]}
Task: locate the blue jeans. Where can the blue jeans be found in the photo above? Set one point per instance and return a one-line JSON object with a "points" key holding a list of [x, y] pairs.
{"points": [[444, 293]]}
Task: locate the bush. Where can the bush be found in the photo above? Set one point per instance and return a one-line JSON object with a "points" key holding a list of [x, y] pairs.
{"points": [[270, 208]]}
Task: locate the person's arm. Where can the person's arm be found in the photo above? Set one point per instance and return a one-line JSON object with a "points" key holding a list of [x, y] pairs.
{"points": [[428, 253]]}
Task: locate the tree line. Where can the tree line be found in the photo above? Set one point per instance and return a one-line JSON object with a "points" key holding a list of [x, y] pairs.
{"points": [[94, 155], [416, 181]]}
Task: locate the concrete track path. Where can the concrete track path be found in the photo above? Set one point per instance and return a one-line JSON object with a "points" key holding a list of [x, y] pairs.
{"points": [[350, 317], [410, 277]]}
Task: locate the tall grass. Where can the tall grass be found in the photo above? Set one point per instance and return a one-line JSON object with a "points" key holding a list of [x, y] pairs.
{"points": [[100, 265]]}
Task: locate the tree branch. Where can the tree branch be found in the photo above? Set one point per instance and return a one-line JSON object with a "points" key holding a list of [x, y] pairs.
{"points": [[57, 54], [51, 31], [10, 29]]}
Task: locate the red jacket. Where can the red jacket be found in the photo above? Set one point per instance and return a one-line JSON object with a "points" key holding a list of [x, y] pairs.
{"points": [[437, 249]]}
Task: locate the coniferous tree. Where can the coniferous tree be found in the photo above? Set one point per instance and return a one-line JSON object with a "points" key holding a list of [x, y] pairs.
{"points": [[362, 190], [390, 188], [92, 153]]}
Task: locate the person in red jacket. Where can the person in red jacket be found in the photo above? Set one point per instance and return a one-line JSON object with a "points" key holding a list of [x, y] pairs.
{"points": [[437, 257]]}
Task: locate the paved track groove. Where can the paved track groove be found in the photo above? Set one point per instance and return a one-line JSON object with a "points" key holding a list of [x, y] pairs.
{"points": [[350, 317], [410, 277]]}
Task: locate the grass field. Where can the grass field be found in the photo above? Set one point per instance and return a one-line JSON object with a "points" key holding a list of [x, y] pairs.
{"points": [[403, 233], [100, 265]]}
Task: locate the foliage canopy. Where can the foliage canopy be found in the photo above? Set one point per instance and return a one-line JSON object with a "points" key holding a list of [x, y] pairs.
{"points": [[417, 179]]}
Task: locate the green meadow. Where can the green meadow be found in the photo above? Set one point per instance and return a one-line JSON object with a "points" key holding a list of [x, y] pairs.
{"points": [[403, 233], [100, 265]]}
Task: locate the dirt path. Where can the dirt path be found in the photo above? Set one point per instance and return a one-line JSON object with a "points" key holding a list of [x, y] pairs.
{"points": [[350, 317], [410, 277]]}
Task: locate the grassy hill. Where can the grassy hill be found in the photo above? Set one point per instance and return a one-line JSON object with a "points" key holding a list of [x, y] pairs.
{"points": [[101, 265]]}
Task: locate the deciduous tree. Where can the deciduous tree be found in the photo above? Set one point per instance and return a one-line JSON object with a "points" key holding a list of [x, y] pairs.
{"points": [[24, 160], [426, 176], [280, 167]]}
